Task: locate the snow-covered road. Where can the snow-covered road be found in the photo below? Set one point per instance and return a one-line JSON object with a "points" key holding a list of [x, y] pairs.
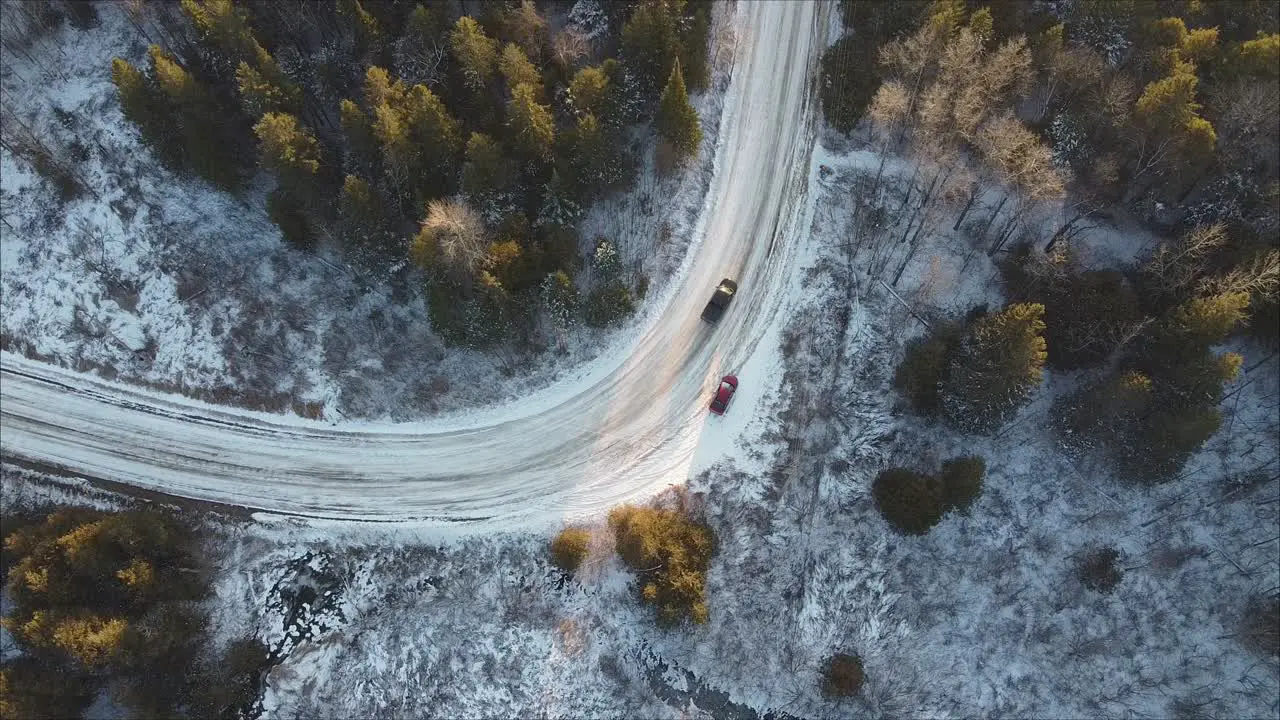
{"points": [[628, 423]]}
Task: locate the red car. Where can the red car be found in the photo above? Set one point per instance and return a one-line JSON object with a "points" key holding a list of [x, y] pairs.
{"points": [[728, 384]]}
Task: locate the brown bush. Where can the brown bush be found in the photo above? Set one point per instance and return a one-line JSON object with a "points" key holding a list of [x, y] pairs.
{"points": [[843, 676], [670, 553], [569, 548]]}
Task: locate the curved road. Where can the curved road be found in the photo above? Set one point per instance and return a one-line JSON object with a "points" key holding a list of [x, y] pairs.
{"points": [[631, 427]]}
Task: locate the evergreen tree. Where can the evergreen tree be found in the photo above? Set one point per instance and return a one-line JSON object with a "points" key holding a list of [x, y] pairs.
{"points": [[436, 139], [517, 70], [475, 52], [997, 364], [360, 138], [264, 88], [962, 482], [369, 37], [560, 299], [419, 139], [919, 377], [488, 176], [649, 47], [670, 553], [588, 90], [589, 160], [207, 149], [366, 230], [288, 148], [1259, 57], [527, 29], [145, 106], [531, 125], [693, 45], [677, 121], [223, 26], [32, 688]]}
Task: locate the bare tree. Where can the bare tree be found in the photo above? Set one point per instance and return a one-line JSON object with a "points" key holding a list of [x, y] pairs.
{"points": [[1175, 267], [452, 238]]}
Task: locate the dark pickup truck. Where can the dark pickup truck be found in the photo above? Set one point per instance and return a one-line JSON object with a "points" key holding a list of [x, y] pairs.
{"points": [[720, 300]]}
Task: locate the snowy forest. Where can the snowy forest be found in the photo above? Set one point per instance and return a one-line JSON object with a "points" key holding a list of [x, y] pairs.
{"points": [[1007, 435], [469, 183]]}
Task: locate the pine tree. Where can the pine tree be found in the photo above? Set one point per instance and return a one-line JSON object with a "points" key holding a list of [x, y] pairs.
{"points": [[381, 89], [649, 47], [517, 70], [437, 141], [224, 26], [264, 88], [531, 125], [206, 148], [589, 161], [369, 35], [288, 148], [588, 90], [475, 52], [360, 138], [488, 175], [1259, 57], [524, 26], [145, 106], [962, 482], [670, 553], [677, 120], [365, 226], [33, 687], [693, 46], [997, 364]]}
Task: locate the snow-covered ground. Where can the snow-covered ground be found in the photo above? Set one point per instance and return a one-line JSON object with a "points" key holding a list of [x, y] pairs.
{"points": [[167, 282]]}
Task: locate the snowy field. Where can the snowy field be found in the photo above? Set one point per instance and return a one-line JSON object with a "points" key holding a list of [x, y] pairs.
{"points": [[167, 282]]}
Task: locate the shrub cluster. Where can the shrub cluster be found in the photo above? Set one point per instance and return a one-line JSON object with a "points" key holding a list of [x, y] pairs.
{"points": [[670, 553], [913, 502], [569, 548]]}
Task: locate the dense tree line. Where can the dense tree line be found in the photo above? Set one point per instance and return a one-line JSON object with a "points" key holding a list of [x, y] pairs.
{"points": [[468, 143], [1151, 106], [1167, 107], [110, 602]]}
